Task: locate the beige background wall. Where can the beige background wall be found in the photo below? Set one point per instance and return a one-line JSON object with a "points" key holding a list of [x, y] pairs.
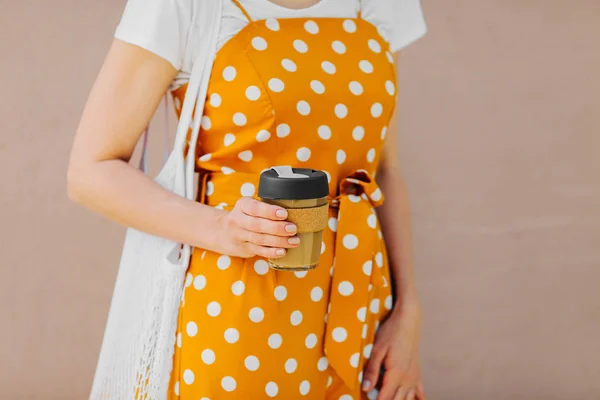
{"points": [[501, 149]]}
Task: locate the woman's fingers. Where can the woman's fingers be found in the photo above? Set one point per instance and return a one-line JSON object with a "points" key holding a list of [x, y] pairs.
{"points": [[412, 394], [420, 392], [260, 217], [262, 239], [265, 252], [373, 369], [259, 209], [401, 393]]}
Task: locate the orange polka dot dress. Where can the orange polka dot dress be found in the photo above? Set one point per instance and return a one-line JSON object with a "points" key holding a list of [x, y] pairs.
{"points": [[312, 93]]}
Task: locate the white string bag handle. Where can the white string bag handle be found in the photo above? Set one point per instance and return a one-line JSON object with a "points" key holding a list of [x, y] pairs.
{"points": [[135, 360]]}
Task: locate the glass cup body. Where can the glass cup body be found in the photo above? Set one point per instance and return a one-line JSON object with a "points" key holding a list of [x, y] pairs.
{"points": [[306, 255]]}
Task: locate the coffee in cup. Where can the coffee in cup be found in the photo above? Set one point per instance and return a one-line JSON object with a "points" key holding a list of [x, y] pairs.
{"points": [[303, 193]]}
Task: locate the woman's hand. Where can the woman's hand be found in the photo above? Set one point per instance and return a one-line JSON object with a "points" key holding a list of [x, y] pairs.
{"points": [[396, 350], [254, 228]]}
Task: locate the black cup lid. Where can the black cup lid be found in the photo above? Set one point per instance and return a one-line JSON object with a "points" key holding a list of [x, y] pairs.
{"points": [[274, 186]]}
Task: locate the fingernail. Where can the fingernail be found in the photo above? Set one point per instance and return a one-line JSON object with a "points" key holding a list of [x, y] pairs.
{"points": [[281, 213], [294, 240], [366, 385], [291, 228], [280, 252]]}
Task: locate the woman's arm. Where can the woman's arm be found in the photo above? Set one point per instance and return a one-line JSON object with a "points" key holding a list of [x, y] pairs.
{"points": [[396, 345], [123, 99]]}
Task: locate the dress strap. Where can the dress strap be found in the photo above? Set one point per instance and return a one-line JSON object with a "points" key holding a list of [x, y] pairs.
{"points": [[243, 10]]}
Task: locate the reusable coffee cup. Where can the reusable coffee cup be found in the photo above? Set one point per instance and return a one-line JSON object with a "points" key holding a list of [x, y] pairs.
{"points": [[303, 193]]}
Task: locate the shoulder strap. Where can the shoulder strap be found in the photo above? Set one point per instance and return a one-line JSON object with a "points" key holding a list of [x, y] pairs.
{"points": [[243, 10]]}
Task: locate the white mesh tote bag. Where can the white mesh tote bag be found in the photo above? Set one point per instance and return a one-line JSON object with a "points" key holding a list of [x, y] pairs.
{"points": [[135, 360]]}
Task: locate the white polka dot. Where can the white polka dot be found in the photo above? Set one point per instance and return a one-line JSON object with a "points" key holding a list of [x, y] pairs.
{"points": [[188, 279], [339, 334], [374, 306], [375, 46], [283, 130], [232, 335], [263, 136], [372, 221], [358, 133], [259, 43], [280, 293], [191, 329], [227, 170], [360, 377], [361, 314], [316, 294], [208, 356], [272, 24], [324, 132], [188, 376], [368, 267], [345, 288], [379, 259], [350, 242], [229, 73], [300, 46], [322, 247], [303, 154], [276, 85], [379, 235], [239, 119], [253, 93], [376, 195], [354, 359], [329, 381], [311, 341], [340, 156], [228, 384], [303, 107], [356, 88], [291, 365], [223, 262], [300, 274], [296, 318], [289, 65], [317, 87], [364, 331], [390, 57], [390, 87], [251, 363], [304, 388], [338, 47], [261, 267], [383, 132], [179, 339], [349, 26], [311, 27], [322, 364], [367, 350], [371, 155], [346, 397], [245, 155], [238, 288], [388, 303], [213, 309], [333, 223], [205, 157], [365, 66], [271, 389], [341, 111], [228, 139], [215, 100], [247, 189], [199, 282], [206, 123], [256, 314], [328, 67], [176, 388], [275, 341], [376, 110], [353, 198]]}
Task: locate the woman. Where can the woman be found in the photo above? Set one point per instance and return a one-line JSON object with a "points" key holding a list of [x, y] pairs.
{"points": [[295, 82]]}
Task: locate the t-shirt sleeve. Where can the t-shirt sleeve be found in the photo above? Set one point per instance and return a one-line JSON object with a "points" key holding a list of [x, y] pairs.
{"points": [[408, 23], [159, 26]]}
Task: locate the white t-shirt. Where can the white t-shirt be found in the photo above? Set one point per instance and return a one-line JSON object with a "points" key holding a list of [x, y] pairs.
{"points": [[166, 28]]}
